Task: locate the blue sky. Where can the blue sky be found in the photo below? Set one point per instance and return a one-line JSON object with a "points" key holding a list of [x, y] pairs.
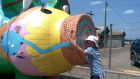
{"points": [[123, 14]]}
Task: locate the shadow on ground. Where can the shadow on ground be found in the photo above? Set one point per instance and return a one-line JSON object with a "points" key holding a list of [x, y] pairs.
{"points": [[68, 77]]}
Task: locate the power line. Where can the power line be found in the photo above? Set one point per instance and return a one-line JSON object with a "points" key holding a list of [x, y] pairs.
{"points": [[135, 17], [130, 35], [123, 18], [119, 15]]}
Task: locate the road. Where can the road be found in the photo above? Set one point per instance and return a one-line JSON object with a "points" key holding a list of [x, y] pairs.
{"points": [[120, 59]]}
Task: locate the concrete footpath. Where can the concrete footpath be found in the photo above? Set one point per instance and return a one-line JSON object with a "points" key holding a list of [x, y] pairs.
{"points": [[79, 72]]}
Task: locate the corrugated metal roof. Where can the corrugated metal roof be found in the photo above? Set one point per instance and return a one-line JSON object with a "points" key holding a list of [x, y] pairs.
{"points": [[117, 33], [101, 30]]}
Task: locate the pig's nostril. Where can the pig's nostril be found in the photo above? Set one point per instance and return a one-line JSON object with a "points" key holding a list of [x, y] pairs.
{"points": [[72, 31]]}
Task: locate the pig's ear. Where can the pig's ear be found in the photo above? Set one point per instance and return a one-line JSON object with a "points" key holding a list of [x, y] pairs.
{"points": [[26, 4]]}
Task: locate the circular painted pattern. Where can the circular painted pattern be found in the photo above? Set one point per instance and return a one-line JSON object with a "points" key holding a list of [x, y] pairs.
{"points": [[78, 27]]}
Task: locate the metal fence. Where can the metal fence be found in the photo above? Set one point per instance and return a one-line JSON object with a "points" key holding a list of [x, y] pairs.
{"points": [[119, 59]]}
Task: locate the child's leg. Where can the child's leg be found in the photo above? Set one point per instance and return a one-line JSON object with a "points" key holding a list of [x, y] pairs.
{"points": [[102, 76], [95, 77]]}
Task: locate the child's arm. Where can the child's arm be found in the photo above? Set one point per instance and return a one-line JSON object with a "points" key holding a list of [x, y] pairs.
{"points": [[98, 38], [78, 47]]}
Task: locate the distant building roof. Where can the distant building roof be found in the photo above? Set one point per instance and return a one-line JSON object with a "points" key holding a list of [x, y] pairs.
{"points": [[118, 33], [101, 30]]}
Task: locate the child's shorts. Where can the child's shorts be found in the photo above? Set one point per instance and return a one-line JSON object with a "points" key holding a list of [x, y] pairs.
{"points": [[102, 76]]}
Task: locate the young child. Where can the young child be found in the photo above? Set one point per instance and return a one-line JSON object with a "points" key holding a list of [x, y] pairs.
{"points": [[94, 59]]}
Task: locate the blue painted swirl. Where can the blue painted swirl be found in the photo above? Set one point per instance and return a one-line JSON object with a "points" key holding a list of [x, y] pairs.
{"points": [[81, 34], [11, 42]]}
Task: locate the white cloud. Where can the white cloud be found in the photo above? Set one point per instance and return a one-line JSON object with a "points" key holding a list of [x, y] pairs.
{"points": [[129, 12], [96, 2], [108, 9]]}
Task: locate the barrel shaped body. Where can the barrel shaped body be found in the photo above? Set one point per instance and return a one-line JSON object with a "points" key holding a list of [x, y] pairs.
{"points": [[37, 41]]}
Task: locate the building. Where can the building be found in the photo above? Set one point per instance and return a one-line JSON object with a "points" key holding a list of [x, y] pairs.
{"points": [[118, 39], [101, 32]]}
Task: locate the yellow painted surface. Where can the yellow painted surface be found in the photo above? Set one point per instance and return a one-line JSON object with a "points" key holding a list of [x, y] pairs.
{"points": [[44, 31]]}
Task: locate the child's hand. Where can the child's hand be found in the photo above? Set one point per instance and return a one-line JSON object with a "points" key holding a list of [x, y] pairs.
{"points": [[98, 38], [73, 41]]}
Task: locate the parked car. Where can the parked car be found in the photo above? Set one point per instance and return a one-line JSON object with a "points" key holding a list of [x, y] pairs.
{"points": [[135, 52], [127, 43]]}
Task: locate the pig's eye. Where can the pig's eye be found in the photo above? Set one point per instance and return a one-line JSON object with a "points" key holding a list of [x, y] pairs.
{"points": [[46, 11]]}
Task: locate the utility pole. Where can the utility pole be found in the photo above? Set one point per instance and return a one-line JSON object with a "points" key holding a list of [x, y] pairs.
{"points": [[90, 14], [105, 23], [110, 47]]}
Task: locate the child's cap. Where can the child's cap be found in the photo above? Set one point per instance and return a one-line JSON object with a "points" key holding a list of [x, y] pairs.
{"points": [[94, 39]]}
